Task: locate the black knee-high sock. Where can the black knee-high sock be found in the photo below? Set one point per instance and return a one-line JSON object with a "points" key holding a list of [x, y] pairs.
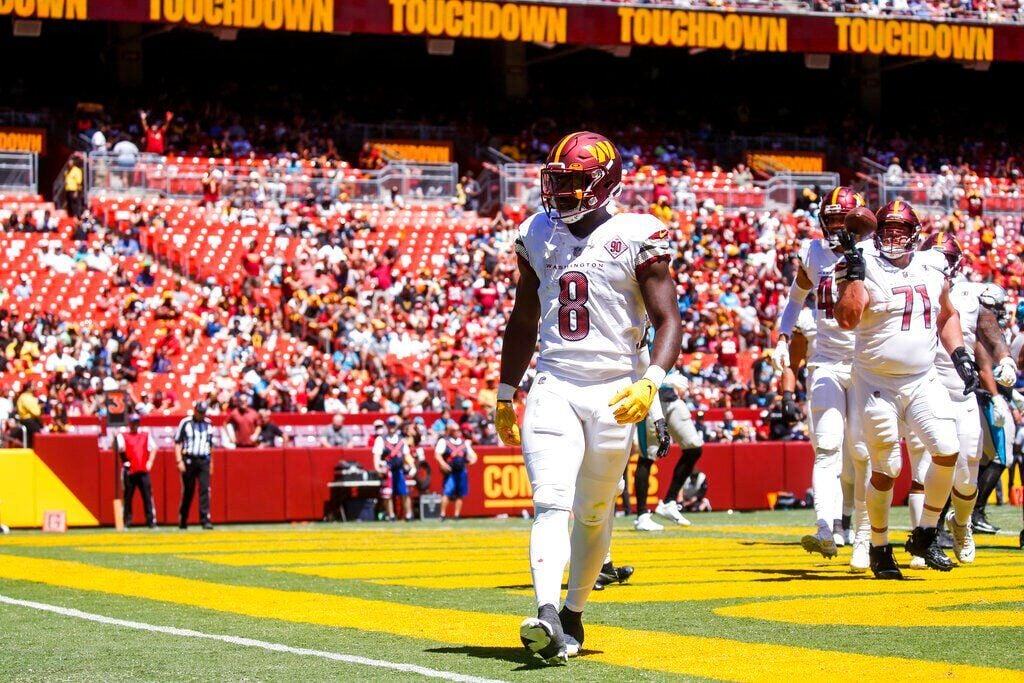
{"points": [[945, 511], [988, 478], [684, 468], [641, 482]]}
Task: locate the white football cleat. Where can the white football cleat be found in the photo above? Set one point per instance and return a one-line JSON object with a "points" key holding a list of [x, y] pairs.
{"points": [[821, 542], [839, 540], [645, 523], [670, 509], [963, 539], [860, 561], [917, 562]]}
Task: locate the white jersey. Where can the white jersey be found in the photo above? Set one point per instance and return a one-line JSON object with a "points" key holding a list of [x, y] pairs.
{"points": [[592, 311], [832, 344], [964, 296], [897, 335]]}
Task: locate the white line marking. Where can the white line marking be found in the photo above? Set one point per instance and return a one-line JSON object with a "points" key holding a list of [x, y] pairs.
{"points": [[249, 642]]}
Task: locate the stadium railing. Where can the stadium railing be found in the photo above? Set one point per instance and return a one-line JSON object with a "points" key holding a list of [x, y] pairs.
{"points": [[935, 192], [520, 185], [19, 172], [279, 179]]}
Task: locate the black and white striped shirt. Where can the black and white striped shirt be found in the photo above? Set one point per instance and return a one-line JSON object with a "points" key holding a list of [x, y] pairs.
{"points": [[195, 437]]}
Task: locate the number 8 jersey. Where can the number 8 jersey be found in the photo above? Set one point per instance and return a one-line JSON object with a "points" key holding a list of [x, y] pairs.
{"points": [[592, 311]]}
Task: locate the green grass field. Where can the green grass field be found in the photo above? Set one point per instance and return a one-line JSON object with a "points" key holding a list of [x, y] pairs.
{"points": [[732, 598]]}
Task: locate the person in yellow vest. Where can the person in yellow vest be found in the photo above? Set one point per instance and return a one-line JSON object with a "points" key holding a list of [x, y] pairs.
{"points": [[73, 183], [137, 451], [29, 412]]}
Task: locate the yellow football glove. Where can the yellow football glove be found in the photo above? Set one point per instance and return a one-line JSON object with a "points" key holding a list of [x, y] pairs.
{"points": [[634, 401], [507, 423]]}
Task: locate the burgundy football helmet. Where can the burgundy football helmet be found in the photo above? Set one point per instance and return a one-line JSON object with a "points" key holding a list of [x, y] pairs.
{"points": [[898, 229], [834, 207], [583, 172], [947, 245]]}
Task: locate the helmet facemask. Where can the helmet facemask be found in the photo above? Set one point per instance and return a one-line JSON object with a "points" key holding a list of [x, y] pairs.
{"points": [[895, 240], [831, 218], [568, 193]]}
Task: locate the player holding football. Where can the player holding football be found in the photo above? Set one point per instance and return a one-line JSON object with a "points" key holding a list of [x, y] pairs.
{"points": [[829, 368], [900, 309], [588, 282]]}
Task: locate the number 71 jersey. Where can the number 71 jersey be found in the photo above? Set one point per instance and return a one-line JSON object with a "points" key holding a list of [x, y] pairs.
{"points": [[592, 316], [898, 331]]}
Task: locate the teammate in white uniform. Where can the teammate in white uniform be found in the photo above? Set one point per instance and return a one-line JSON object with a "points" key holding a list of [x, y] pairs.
{"points": [[978, 324], [900, 309], [829, 368], [669, 419], [589, 280]]}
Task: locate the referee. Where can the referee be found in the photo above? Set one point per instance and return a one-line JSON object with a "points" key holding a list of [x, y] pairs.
{"points": [[193, 449]]}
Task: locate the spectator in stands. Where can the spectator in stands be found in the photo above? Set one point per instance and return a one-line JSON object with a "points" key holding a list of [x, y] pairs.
{"points": [[23, 290], [487, 397], [154, 142], [268, 434], [334, 403], [74, 183], [416, 398], [336, 434], [742, 176], [30, 412]]}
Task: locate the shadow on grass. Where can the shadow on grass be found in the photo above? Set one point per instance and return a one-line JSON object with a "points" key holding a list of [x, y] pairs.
{"points": [[770, 543], [514, 655], [784, 575]]}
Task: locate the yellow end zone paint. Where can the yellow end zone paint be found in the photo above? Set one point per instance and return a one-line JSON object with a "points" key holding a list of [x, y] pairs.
{"points": [[718, 657], [915, 609], [28, 488]]}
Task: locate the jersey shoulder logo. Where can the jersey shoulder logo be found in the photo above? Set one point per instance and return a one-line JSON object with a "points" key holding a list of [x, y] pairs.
{"points": [[660, 235], [616, 247]]}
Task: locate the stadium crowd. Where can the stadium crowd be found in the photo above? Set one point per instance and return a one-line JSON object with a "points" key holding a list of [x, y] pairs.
{"points": [[379, 336]]}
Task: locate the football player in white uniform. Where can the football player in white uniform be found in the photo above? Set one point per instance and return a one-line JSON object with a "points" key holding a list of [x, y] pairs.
{"points": [[669, 419], [978, 324], [900, 309], [828, 367], [589, 280]]}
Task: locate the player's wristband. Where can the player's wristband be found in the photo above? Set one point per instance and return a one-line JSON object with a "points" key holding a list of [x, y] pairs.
{"points": [[506, 392], [655, 374]]}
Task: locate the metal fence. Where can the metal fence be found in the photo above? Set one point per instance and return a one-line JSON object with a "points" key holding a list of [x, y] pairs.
{"points": [[938, 193], [783, 189], [272, 180], [19, 172], [520, 185]]}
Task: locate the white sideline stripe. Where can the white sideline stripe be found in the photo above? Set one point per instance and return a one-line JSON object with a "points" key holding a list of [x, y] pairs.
{"points": [[248, 642]]}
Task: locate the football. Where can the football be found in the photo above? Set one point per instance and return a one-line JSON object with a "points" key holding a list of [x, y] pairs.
{"points": [[860, 221]]}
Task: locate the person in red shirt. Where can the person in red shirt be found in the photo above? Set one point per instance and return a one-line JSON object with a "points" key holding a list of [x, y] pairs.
{"points": [[155, 143], [137, 451], [244, 421]]}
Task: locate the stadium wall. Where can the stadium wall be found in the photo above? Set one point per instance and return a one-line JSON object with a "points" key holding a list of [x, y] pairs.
{"points": [[71, 473]]}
